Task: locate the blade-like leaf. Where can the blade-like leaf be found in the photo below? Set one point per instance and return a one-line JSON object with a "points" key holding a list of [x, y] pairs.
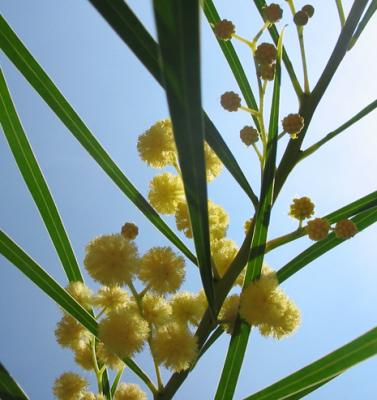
{"points": [[178, 33], [362, 221], [9, 388], [35, 181], [32, 71], [11, 251], [232, 58], [363, 23], [324, 369], [125, 23], [238, 343]]}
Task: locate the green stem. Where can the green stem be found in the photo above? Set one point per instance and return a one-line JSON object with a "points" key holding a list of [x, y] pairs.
{"points": [[95, 363], [117, 379], [243, 40], [260, 33], [342, 17]]}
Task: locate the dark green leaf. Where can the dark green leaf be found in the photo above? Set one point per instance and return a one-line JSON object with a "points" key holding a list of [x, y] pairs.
{"points": [[9, 388], [363, 23]]}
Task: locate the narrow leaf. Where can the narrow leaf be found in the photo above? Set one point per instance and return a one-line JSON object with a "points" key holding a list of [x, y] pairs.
{"points": [[323, 370], [125, 23], [364, 22], [178, 33], [9, 388], [32, 71]]}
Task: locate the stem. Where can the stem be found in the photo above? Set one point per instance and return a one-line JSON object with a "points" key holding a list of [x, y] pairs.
{"points": [[117, 379], [97, 371], [249, 110], [342, 17], [243, 40], [259, 34], [259, 154]]}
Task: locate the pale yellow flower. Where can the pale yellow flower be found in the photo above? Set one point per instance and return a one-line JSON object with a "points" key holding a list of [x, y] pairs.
{"points": [[84, 356], [69, 386], [187, 308], [81, 293], [129, 391], [229, 312], [212, 162], [70, 333], [111, 298], [108, 358], [156, 310]]}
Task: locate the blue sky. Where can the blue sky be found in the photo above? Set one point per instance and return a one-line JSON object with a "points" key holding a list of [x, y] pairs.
{"points": [[119, 100]]}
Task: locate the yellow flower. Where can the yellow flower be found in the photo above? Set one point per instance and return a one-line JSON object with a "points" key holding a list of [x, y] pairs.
{"points": [[247, 225], [156, 310], [84, 356], [69, 386], [187, 307], [129, 391], [88, 396], [123, 332], [81, 293], [70, 333], [156, 146], [213, 163], [108, 358], [111, 259], [129, 231], [175, 346], [301, 208], [111, 298], [162, 270], [166, 191], [229, 311]]}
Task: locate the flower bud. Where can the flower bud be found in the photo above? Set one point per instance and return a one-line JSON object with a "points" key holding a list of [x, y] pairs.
{"points": [[318, 229], [345, 229], [230, 101], [224, 29], [249, 135]]}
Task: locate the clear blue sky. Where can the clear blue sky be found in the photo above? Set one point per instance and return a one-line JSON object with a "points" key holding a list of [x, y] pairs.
{"points": [[119, 100]]}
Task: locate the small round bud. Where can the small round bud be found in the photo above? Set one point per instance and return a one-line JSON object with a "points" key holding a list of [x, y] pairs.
{"points": [[224, 29], [309, 10], [267, 72], [230, 101], [249, 135], [293, 124], [301, 208], [318, 229], [345, 229], [301, 18], [272, 13], [129, 231], [265, 53]]}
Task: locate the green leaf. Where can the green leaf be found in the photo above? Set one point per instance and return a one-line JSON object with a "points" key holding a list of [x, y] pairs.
{"points": [[362, 221], [232, 58], [125, 23], [178, 33], [363, 23], [238, 343], [35, 181], [32, 71], [11, 251], [323, 370], [9, 388]]}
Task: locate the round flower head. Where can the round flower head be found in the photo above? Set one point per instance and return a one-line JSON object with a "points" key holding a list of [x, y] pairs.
{"points": [[186, 308], [265, 53], [111, 298], [108, 358], [247, 225], [229, 312], [129, 231], [309, 9], [129, 391], [213, 163], [293, 124], [123, 332], [249, 135], [223, 253], [230, 101], [156, 146], [175, 346], [156, 310], [318, 229], [301, 18], [111, 259], [224, 29], [162, 270], [166, 191], [70, 333], [81, 293], [345, 229], [272, 13], [88, 396], [301, 208], [69, 386], [267, 71], [84, 356]]}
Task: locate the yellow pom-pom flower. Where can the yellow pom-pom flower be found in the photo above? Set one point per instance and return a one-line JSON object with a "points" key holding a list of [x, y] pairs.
{"points": [[175, 346], [129, 391], [213, 163], [69, 386], [156, 146], [186, 308], [108, 358], [229, 312], [81, 293], [84, 356], [123, 332], [88, 396], [70, 333], [111, 298], [156, 310], [166, 191], [301, 208], [162, 270], [111, 259]]}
